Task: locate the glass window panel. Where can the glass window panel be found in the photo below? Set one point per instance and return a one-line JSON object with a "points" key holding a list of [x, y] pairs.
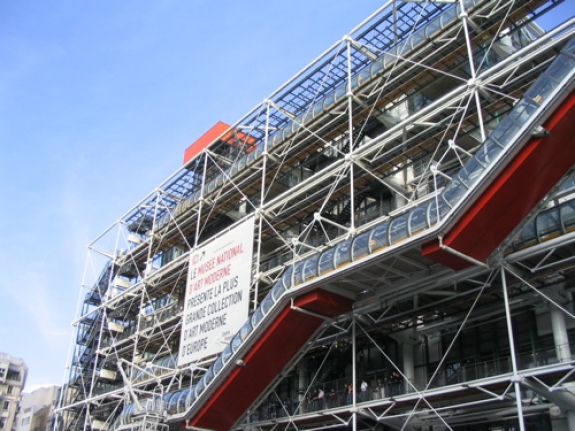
{"points": [[256, 318], [360, 245], [275, 140], [267, 304], [548, 224], [470, 172], [453, 192], [298, 273], [561, 67], [286, 132], [340, 93], [444, 207], [317, 109], [209, 376], [278, 290], [343, 253], [310, 267], [377, 67], [227, 353], [354, 82], [237, 340], [505, 131], [431, 210], [191, 397], [418, 220], [287, 278], [171, 362], [417, 38], [245, 330], [398, 229], [182, 400], [526, 237], [522, 112], [166, 398], [488, 152], [378, 237], [570, 47], [219, 364], [173, 403], [433, 28], [390, 57], [329, 101], [251, 157], [241, 164], [568, 216], [541, 89], [448, 17], [364, 76], [260, 149], [326, 261], [199, 387]]}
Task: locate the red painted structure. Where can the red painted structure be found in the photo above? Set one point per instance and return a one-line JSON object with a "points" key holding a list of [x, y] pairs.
{"points": [[232, 137], [273, 350], [523, 183]]}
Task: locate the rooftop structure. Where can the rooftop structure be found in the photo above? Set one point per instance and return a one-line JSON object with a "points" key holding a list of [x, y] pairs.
{"points": [[386, 242]]}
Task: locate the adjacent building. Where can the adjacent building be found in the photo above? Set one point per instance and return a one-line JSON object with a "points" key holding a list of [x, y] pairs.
{"points": [[13, 373], [385, 243], [36, 409]]}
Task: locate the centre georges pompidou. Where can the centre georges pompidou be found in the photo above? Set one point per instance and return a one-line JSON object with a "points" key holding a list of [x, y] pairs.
{"points": [[386, 242]]}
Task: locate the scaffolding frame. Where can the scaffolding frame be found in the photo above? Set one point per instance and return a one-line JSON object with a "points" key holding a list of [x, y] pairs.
{"points": [[373, 128]]}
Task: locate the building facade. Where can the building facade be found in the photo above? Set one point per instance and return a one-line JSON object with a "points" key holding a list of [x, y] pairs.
{"points": [[36, 409], [386, 242], [13, 373]]}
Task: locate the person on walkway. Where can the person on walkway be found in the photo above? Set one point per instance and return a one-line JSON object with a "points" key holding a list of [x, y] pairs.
{"points": [[364, 394], [320, 399], [349, 394], [379, 390], [396, 380], [332, 399]]}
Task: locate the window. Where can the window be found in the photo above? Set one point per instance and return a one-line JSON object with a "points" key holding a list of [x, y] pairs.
{"points": [[13, 375], [2, 372], [2, 423], [6, 405], [10, 389]]}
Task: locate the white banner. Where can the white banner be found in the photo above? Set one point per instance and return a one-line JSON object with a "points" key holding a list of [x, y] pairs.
{"points": [[217, 293]]}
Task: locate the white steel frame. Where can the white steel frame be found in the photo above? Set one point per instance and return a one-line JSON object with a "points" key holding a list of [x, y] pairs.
{"points": [[313, 189]]}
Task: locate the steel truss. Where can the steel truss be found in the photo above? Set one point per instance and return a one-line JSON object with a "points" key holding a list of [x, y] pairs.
{"points": [[370, 132]]}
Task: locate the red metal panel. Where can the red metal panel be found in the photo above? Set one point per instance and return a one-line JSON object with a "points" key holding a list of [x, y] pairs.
{"points": [[233, 137], [540, 164], [204, 140], [280, 342], [324, 303]]}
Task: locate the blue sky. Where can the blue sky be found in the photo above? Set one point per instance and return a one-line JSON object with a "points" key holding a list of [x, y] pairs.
{"points": [[98, 101]]}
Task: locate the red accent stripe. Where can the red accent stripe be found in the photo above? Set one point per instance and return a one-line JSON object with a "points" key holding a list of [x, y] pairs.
{"points": [[539, 165], [280, 342]]}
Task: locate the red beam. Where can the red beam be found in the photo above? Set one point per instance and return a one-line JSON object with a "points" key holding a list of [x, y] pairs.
{"points": [[280, 342], [539, 165]]}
